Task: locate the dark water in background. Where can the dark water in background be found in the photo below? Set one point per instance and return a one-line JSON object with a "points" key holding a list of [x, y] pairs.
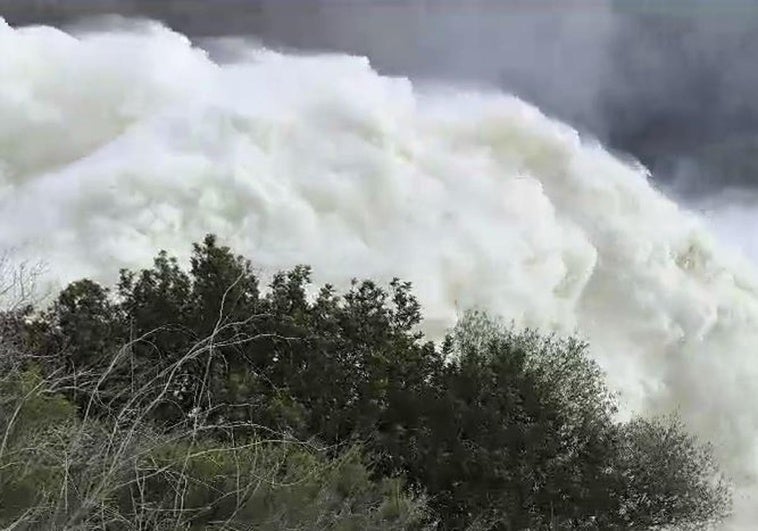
{"points": [[673, 83]]}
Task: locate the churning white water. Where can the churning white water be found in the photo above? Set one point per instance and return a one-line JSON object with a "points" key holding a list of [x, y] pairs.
{"points": [[115, 144]]}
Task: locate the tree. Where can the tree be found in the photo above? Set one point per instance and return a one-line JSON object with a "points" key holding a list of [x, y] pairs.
{"points": [[60, 470], [502, 429], [670, 479], [524, 437]]}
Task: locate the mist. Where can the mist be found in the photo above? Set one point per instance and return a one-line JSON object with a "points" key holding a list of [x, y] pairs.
{"points": [[669, 83]]}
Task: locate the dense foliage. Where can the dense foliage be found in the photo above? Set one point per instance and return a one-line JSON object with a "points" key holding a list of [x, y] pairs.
{"points": [[60, 470], [199, 371]]}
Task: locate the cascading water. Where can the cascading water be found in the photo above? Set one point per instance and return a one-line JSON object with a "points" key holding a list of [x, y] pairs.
{"points": [[116, 144]]}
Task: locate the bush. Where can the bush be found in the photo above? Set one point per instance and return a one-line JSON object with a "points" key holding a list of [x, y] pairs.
{"points": [[669, 478], [526, 437], [59, 472], [500, 429]]}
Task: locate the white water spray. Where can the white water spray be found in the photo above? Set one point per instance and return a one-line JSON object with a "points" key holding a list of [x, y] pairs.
{"points": [[116, 144]]}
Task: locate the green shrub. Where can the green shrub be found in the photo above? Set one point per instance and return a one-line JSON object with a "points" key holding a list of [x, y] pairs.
{"points": [[500, 429]]}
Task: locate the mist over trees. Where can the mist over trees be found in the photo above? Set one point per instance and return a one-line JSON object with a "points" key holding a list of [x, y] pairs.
{"points": [[199, 398]]}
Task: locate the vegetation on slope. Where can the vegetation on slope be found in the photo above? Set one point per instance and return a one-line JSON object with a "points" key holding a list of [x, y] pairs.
{"points": [[198, 399]]}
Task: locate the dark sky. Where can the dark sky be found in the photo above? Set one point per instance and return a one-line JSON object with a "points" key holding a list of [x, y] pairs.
{"points": [[672, 82]]}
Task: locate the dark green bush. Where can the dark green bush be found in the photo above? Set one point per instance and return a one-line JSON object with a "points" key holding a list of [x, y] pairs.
{"points": [[501, 430], [61, 472]]}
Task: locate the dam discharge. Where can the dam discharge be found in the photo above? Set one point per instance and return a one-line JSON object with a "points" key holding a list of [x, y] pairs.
{"points": [[114, 144]]}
